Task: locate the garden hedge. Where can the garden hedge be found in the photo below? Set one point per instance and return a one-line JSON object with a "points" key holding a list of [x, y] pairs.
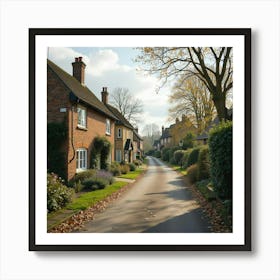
{"points": [[220, 153]]}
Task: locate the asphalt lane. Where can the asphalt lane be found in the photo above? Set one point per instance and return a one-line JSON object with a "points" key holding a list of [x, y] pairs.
{"points": [[158, 202]]}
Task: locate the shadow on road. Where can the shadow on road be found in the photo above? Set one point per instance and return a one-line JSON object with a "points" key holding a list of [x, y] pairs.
{"points": [[189, 223]]}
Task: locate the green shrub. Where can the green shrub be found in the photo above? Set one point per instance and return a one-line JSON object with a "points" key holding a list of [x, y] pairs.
{"points": [[171, 154], [132, 166], [125, 168], [157, 154], [220, 154], [115, 168], [185, 158], [178, 156], [137, 162], [188, 140], [78, 186], [203, 187], [203, 164], [193, 156], [81, 176], [58, 195], [192, 173], [95, 183], [165, 154]]}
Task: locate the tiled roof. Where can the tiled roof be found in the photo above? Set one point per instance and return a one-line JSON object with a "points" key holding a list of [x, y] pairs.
{"points": [[80, 91], [121, 119], [136, 135], [166, 133], [205, 133]]}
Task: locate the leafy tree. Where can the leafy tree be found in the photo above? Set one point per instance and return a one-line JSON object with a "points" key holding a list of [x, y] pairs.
{"points": [[213, 66], [130, 107], [191, 97]]}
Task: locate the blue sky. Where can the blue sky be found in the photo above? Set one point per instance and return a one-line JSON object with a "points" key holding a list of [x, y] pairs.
{"points": [[114, 67]]}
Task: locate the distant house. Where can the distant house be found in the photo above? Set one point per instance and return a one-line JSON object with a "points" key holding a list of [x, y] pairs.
{"points": [[124, 131], [165, 139], [180, 129], [85, 117], [156, 145], [203, 137], [138, 145]]}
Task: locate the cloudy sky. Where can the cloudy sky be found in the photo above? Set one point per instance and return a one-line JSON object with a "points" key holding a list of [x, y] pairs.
{"points": [[114, 67]]}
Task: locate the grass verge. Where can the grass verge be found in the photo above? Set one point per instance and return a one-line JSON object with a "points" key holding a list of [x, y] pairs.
{"points": [[90, 198], [132, 174]]}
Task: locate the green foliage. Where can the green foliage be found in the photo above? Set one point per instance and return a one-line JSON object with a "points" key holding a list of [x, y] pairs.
{"points": [[124, 168], [188, 141], [193, 156], [132, 166], [56, 157], [115, 168], [220, 152], [94, 183], [192, 173], [90, 198], [178, 156], [137, 162], [101, 148], [78, 186], [205, 191], [165, 154], [58, 195], [203, 164], [185, 158], [171, 154], [157, 154], [81, 176]]}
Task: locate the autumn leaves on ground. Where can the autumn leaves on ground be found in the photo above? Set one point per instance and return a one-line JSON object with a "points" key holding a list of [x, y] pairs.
{"points": [[173, 178]]}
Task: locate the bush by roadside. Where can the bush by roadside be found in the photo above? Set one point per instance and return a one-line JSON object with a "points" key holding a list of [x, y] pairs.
{"points": [[220, 154], [58, 195]]}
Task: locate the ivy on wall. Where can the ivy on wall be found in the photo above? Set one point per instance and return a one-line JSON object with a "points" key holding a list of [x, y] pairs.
{"points": [[101, 149], [56, 158]]}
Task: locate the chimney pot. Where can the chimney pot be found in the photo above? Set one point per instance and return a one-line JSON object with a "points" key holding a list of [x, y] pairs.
{"points": [[104, 95], [79, 70]]}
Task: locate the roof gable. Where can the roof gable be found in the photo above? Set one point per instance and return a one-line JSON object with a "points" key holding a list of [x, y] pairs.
{"points": [[122, 120], [81, 92]]}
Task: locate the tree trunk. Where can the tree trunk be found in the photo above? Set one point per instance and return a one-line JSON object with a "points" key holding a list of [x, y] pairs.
{"points": [[219, 103]]}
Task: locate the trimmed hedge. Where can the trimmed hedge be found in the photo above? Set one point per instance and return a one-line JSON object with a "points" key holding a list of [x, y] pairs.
{"points": [[192, 173], [220, 153], [165, 154], [193, 156], [203, 164], [178, 156]]}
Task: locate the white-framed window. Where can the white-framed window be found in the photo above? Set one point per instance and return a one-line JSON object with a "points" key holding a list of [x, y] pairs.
{"points": [[118, 155], [108, 127], [82, 117], [119, 133], [81, 159]]}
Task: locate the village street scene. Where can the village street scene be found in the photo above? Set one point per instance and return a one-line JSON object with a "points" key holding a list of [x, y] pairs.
{"points": [[139, 140]]}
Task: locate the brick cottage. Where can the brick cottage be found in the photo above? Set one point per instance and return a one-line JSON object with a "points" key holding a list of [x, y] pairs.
{"points": [[71, 103]]}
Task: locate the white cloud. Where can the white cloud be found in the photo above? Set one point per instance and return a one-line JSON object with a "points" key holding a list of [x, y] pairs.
{"points": [[104, 68]]}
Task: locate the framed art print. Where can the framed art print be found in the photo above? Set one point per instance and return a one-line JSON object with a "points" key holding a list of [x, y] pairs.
{"points": [[140, 139]]}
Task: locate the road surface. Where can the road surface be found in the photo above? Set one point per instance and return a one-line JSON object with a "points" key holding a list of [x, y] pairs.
{"points": [[158, 202]]}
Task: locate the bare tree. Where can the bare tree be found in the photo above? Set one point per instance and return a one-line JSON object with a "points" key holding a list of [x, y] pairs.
{"points": [[151, 130], [127, 104], [213, 66]]}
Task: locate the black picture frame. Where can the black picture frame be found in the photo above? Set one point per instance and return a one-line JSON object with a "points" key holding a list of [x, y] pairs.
{"points": [[33, 32]]}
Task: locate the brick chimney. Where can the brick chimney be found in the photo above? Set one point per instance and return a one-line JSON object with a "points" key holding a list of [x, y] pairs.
{"points": [[104, 95], [79, 70]]}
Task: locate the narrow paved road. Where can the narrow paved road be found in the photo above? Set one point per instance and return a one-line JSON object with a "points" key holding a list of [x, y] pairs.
{"points": [[158, 202]]}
